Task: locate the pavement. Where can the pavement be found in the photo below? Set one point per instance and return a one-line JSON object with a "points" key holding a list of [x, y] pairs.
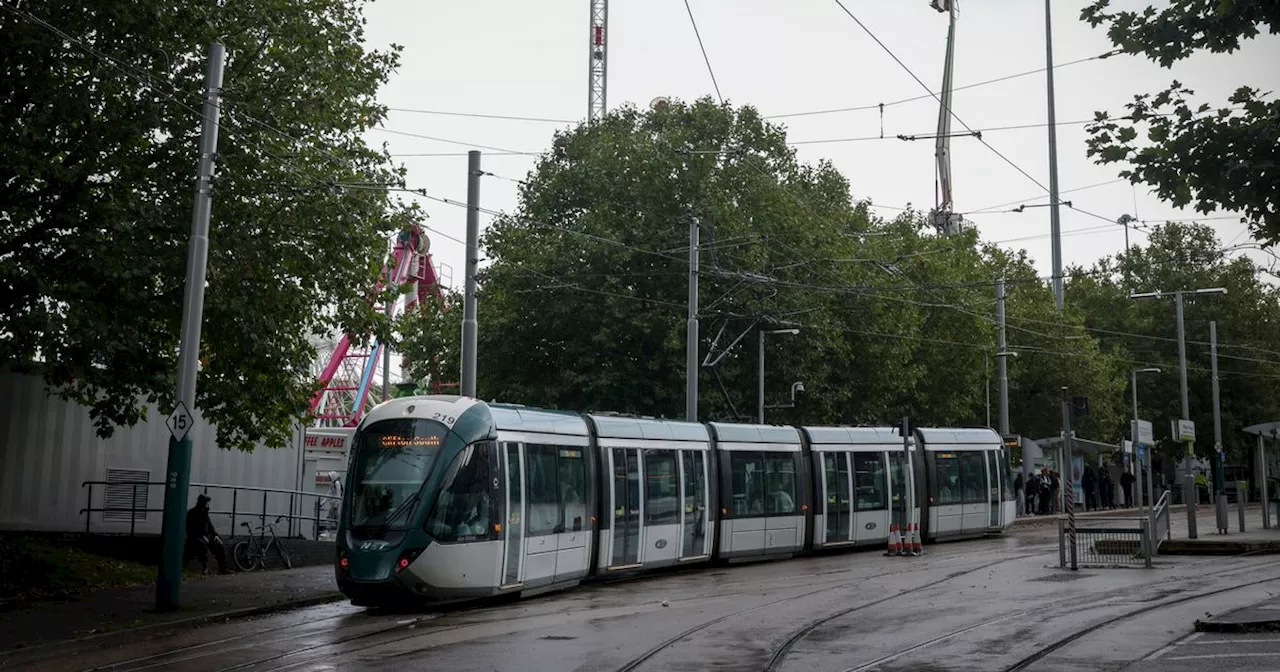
{"points": [[211, 598]]}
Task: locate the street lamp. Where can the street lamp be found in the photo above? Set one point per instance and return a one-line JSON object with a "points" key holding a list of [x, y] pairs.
{"points": [[1138, 469], [762, 334], [1189, 488]]}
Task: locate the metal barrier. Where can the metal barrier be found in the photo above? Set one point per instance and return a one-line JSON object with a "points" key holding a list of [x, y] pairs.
{"points": [[1159, 525], [1106, 543], [242, 507]]}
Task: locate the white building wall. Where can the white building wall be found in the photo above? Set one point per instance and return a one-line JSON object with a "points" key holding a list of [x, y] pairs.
{"points": [[48, 449]]}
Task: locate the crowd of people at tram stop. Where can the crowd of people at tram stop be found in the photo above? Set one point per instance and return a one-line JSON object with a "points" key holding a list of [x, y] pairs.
{"points": [[1037, 493]]}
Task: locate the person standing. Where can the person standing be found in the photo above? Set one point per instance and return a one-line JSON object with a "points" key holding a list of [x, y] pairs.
{"points": [[1126, 484], [202, 538]]}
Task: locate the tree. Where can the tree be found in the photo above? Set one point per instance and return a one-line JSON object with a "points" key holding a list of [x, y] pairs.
{"points": [[1224, 158], [583, 306], [430, 339], [100, 126], [1142, 333]]}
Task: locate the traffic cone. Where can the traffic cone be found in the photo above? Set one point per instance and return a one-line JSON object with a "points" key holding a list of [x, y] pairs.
{"points": [[916, 547], [895, 544]]}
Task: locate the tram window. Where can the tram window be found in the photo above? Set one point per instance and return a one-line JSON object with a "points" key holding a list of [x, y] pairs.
{"points": [[747, 470], [869, 480], [973, 477], [947, 468], [544, 499], [661, 491], [573, 503], [781, 484], [464, 507]]}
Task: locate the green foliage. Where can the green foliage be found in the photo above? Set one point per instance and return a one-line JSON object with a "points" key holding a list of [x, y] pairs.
{"points": [[1142, 333], [1225, 158], [430, 340], [100, 139], [583, 306]]}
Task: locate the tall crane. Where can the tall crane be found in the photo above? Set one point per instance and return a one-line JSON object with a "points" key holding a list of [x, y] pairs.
{"points": [[946, 221], [598, 57]]}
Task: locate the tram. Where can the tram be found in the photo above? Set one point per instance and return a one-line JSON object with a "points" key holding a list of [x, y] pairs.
{"points": [[451, 498]]}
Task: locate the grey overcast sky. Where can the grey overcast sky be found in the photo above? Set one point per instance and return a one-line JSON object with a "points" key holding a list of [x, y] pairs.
{"points": [[514, 57]]}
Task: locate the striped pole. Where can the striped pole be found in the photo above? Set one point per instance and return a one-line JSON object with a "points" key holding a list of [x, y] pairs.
{"points": [[1071, 521]]}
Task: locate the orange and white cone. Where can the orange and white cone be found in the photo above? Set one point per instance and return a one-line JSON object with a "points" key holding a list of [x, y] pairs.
{"points": [[895, 544], [916, 547]]}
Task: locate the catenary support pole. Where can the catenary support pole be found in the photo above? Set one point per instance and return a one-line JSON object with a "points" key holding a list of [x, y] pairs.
{"points": [[1189, 483], [1219, 481], [1135, 461], [469, 325], [1055, 221], [1002, 359], [691, 330], [760, 388], [178, 468]]}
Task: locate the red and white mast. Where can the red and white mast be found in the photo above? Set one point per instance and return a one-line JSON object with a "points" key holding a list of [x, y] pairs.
{"points": [[598, 57]]}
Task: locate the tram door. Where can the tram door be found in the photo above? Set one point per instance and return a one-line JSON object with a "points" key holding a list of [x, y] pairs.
{"points": [[625, 500], [871, 505], [693, 466], [994, 474], [515, 515], [839, 509]]}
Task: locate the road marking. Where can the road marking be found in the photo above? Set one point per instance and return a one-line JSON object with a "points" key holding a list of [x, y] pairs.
{"points": [[1173, 645], [1227, 655], [1249, 640]]}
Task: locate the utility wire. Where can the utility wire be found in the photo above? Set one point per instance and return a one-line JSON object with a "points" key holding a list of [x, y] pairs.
{"points": [[935, 96], [478, 115], [704, 51], [861, 108]]}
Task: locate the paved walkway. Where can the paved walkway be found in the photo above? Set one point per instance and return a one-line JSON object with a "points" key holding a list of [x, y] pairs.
{"points": [[212, 597]]}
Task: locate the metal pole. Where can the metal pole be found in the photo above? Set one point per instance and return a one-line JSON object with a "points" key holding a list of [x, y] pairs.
{"points": [[1003, 363], [691, 331], [760, 403], [1064, 469], [386, 356], [178, 469], [1189, 485], [1219, 481], [469, 326], [1055, 222], [1135, 462]]}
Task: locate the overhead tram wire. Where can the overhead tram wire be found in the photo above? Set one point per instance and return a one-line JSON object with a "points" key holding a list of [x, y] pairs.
{"points": [[698, 35], [862, 108], [478, 115], [935, 96]]}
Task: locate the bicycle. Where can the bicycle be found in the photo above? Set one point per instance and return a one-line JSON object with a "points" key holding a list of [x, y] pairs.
{"points": [[252, 553]]}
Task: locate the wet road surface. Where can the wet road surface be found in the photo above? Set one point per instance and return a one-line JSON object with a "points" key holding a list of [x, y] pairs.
{"points": [[991, 604]]}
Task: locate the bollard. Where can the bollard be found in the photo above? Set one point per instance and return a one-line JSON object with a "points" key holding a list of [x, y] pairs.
{"points": [[1222, 513], [1071, 522]]}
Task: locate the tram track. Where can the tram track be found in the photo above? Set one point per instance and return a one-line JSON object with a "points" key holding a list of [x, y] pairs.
{"points": [[1083, 632], [1073, 605], [780, 654], [638, 661], [376, 637]]}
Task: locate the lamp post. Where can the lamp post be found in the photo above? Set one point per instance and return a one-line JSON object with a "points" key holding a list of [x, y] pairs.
{"points": [[1189, 486], [1139, 467], [761, 390]]}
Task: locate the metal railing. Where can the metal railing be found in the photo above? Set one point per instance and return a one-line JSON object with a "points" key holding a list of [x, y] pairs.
{"points": [[1159, 524], [1106, 543], [243, 507]]}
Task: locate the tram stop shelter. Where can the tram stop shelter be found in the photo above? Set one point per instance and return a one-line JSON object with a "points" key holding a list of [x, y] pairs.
{"points": [[1083, 451], [1265, 458]]}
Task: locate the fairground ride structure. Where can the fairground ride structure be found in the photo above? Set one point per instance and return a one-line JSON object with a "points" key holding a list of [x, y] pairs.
{"points": [[348, 380]]}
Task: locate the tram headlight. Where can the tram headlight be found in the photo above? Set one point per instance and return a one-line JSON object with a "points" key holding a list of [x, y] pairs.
{"points": [[407, 558]]}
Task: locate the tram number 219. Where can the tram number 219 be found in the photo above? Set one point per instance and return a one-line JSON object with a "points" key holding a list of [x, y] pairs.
{"points": [[446, 420]]}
